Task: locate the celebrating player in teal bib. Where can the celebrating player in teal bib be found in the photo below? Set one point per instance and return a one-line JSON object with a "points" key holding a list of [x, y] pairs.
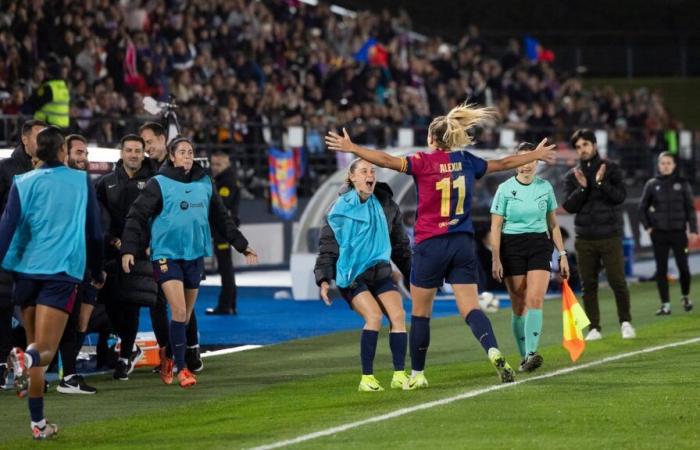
{"points": [[522, 213]]}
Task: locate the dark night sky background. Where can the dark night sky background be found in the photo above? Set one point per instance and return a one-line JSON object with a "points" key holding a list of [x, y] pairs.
{"points": [[499, 16]]}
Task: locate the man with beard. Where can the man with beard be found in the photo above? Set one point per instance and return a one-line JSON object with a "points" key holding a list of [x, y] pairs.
{"points": [[125, 294], [594, 191], [85, 299]]}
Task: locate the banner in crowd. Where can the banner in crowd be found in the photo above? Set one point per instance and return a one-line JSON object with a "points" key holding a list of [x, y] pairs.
{"points": [[283, 182]]}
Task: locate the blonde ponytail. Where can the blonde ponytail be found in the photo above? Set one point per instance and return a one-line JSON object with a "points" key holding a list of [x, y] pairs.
{"points": [[450, 131]]}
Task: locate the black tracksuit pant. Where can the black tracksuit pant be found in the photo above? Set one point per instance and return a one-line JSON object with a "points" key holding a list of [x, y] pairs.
{"points": [[664, 241]]}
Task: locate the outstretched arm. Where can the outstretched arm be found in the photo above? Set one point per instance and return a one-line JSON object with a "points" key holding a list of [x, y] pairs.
{"points": [[343, 143], [543, 152]]}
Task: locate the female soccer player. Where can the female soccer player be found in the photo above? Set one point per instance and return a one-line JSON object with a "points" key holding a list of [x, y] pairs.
{"points": [[666, 209], [444, 234], [175, 209], [521, 214], [363, 231], [49, 232]]}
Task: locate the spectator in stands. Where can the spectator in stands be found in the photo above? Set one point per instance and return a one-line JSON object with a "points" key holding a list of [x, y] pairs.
{"points": [[594, 191]]}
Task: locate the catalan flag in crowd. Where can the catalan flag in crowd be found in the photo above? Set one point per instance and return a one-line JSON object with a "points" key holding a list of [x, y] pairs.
{"points": [[283, 183], [575, 320]]}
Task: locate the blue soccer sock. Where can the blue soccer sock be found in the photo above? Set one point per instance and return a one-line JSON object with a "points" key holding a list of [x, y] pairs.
{"points": [[36, 408], [178, 343], [368, 348], [518, 324], [481, 327], [533, 329], [397, 344], [419, 341]]}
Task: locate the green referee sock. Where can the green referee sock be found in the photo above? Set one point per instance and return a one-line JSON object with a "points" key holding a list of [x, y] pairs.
{"points": [[533, 330], [518, 324]]}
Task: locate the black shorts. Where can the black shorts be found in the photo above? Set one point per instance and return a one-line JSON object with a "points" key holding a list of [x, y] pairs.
{"points": [[376, 288], [190, 272], [521, 253], [57, 294]]}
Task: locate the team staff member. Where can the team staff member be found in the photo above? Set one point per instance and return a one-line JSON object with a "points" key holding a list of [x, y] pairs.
{"points": [[522, 213], [155, 138], [594, 191], [49, 265], [18, 163], [444, 233], [229, 190], [125, 294], [85, 299], [666, 209], [363, 232], [178, 205]]}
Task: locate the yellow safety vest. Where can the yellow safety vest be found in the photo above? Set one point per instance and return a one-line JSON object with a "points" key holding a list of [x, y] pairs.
{"points": [[57, 111]]}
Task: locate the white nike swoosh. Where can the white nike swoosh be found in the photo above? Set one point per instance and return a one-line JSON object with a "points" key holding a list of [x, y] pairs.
{"points": [[110, 187]]}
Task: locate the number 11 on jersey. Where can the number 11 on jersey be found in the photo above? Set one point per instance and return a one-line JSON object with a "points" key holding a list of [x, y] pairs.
{"points": [[445, 186]]}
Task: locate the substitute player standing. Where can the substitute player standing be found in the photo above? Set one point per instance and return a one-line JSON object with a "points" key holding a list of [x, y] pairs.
{"points": [[362, 234], [522, 212], [444, 234], [49, 265], [178, 206]]}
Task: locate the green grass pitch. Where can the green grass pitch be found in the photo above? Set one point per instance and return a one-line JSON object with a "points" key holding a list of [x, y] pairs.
{"points": [[263, 396]]}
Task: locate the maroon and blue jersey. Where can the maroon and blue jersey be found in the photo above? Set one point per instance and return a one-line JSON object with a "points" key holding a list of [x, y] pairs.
{"points": [[444, 183]]}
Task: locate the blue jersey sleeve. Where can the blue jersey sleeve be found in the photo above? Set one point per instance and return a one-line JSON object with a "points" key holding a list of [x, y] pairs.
{"points": [[479, 165], [9, 221]]}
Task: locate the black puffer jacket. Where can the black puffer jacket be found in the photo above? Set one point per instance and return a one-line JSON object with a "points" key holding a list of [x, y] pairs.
{"points": [[597, 206], [18, 163], [400, 247], [116, 192], [667, 204], [149, 204]]}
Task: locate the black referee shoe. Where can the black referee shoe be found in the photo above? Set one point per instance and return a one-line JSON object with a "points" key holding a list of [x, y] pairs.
{"points": [[532, 363], [75, 385]]}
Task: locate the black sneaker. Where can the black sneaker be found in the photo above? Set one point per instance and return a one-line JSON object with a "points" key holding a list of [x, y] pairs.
{"points": [[664, 310], [135, 357], [194, 360], [75, 385], [687, 304], [121, 371], [532, 363]]}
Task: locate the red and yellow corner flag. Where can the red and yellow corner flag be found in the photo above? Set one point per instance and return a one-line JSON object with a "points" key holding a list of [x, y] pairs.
{"points": [[575, 320]]}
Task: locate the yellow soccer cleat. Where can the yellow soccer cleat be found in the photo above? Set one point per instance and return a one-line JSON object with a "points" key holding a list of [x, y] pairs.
{"points": [[399, 379], [416, 382], [369, 384], [505, 372]]}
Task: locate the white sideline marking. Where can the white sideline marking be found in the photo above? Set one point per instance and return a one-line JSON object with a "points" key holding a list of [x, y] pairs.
{"points": [[226, 351], [465, 395]]}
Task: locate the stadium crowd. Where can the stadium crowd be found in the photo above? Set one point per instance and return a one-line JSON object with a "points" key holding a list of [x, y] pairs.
{"points": [[240, 64]]}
